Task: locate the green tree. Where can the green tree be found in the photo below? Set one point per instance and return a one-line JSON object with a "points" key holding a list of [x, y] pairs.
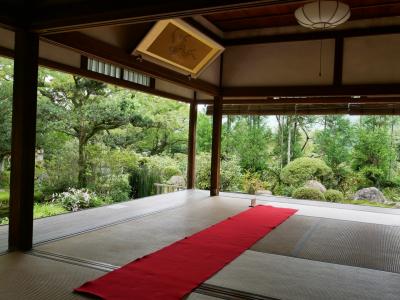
{"points": [[82, 108], [6, 92], [335, 140], [372, 153], [204, 132], [248, 137]]}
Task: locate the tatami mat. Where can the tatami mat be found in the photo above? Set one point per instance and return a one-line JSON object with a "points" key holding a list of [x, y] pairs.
{"points": [[364, 245], [27, 277], [120, 244], [49, 228], [284, 277]]}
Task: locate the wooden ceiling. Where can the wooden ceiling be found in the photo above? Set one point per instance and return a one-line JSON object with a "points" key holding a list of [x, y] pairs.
{"points": [[277, 15]]}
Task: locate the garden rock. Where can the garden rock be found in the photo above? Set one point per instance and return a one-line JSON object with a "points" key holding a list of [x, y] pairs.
{"points": [[370, 194], [314, 184], [177, 180]]}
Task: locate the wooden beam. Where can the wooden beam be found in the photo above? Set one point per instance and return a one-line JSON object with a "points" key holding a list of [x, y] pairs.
{"points": [[309, 91], [60, 18], [216, 147], [338, 64], [204, 30], [9, 53], [23, 140], [309, 109], [97, 49], [313, 35], [112, 80], [306, 100], [12, 16], [101, 77], [191, 168]]}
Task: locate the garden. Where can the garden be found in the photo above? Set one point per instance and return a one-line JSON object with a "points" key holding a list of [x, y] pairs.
{"points": [[98, 144]]}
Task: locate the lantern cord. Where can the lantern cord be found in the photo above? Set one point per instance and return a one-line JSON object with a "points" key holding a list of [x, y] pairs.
{"points": [[320, 59]]}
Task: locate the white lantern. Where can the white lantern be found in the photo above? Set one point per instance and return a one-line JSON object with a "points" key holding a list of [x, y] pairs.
{"points": [[322, 14]]}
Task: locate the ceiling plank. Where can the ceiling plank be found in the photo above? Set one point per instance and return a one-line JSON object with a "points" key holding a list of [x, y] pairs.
{"points": [[67, 17], [314, 35], [94, 48]]}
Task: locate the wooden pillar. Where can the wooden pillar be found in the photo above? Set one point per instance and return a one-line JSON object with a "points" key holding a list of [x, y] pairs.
{"points": [[338, 64], [23, 140], [191, 168], [216, 147]]}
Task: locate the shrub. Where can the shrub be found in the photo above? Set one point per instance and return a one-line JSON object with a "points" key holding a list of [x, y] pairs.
{"points": [[297, 172], [371, 176], [231, 176], [75, 199], [4, 197], [165, 166], [114, 188], [47, 209], [252, 183], [308, 193], [170, 171], [61, 171], [334, 196], [392, 194], [283, 190], [4, 221], [142, 181], [5, 180]]}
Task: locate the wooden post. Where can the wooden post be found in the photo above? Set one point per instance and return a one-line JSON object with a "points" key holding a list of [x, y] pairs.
{"points": [[338, 64], [23, 140], [216, 147], [191, 167]]}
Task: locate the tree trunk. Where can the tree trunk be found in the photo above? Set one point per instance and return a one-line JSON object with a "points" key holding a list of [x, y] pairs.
{"points": [[82, 178], [1, 164], [289, 140]]}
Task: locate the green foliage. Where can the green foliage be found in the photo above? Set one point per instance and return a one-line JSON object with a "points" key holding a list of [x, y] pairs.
{"points": [[283, 190], [4, 197], [142, 181], [6, 92], [308, 193], [41, 210], [333, 195], [82, 109], [247, 138], [115, 188], [373, 154], [231, 176], [164, 165], [5, 180], [203, 133], [252, 183], [392, 193], [371, 176], [61, 170], [4, 221], [335, 141], [297, 172]]}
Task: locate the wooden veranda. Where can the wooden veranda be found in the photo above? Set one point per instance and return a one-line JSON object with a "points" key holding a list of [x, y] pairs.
{"points": [[269, 65]]}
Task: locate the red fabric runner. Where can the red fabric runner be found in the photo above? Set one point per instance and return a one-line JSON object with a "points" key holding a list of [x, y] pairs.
{"points": [[174, 271]]}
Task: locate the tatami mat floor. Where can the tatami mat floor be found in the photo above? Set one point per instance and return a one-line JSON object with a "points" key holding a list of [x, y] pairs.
{"points": [[313, 255]]}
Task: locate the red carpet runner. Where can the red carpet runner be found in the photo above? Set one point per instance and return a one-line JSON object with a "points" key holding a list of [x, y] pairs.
{"points": [[174, 271]]}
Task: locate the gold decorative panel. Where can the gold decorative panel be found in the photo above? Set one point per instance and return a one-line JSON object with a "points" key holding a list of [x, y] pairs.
{"points": [[177, 44]]}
